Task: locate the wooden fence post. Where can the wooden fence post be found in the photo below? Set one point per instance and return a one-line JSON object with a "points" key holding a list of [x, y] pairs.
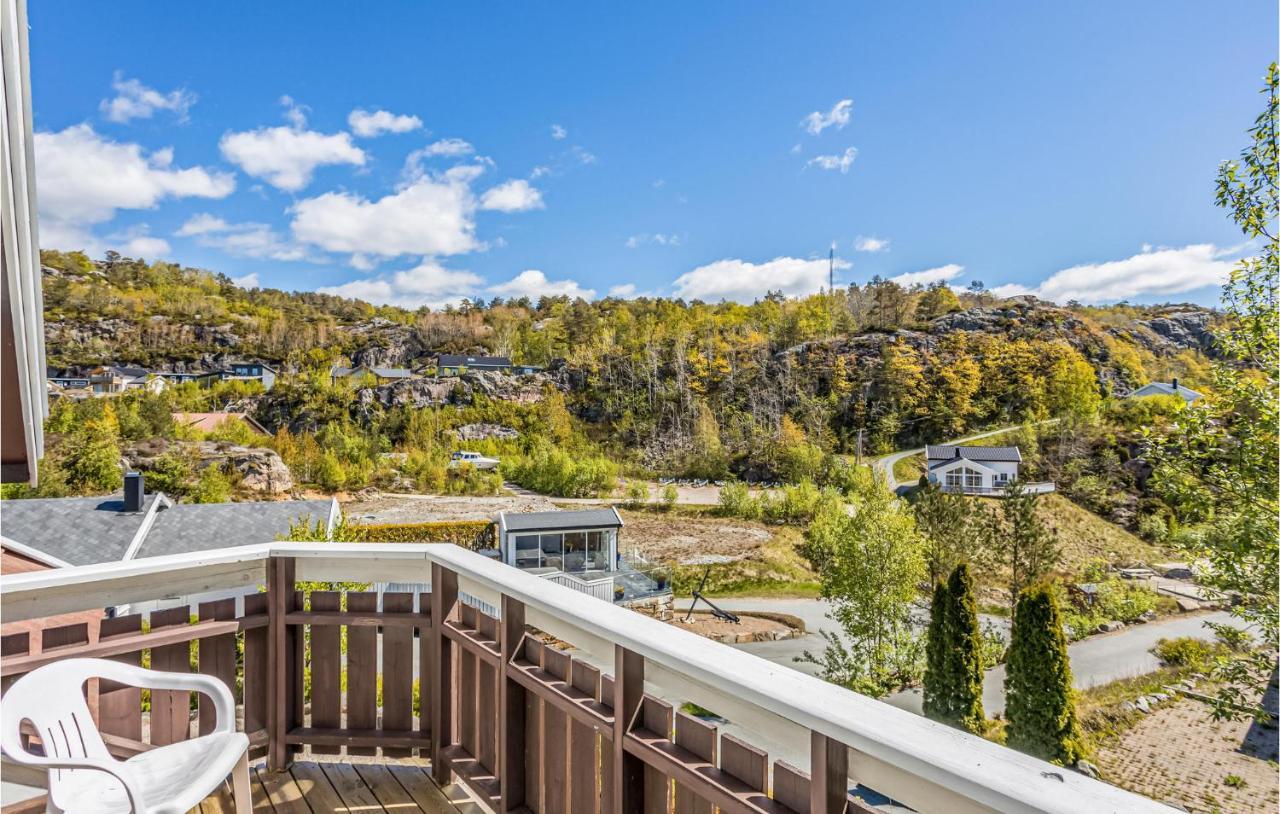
{"points": [[628, 695], [511, 710], [444, 601], [828, 773], [281, 656]]}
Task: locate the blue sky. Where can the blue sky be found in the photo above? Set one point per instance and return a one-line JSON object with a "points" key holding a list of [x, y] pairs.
{"points": [[416, 153]]}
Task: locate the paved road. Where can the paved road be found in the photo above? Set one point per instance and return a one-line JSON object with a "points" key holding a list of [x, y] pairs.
{"points": [[1095, 660], [884, 465]]}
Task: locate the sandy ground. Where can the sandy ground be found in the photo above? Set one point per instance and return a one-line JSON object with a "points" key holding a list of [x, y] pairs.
{"points": [[671, 538], [704, 624], [436, 508]]}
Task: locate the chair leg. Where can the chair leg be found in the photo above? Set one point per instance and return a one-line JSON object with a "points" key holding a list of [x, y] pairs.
{"points": [[240, 785]]}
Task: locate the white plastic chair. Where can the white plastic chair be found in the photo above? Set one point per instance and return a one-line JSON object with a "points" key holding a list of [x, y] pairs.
{"points": [[84, 777]]}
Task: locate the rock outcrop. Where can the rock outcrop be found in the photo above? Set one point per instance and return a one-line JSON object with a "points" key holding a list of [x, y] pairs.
{"points": [[432, 392], [255, 468]]}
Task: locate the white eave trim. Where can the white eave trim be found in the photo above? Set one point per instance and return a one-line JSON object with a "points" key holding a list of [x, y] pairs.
{"points": [[148, 520], [32, 553]]}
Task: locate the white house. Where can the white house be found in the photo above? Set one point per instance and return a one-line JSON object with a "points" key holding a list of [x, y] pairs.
{"points": [[1167, 389], [976, 470]]}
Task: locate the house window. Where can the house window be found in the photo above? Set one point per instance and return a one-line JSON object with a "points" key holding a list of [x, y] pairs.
{"points": [[527, 551], [597, 551], [553, 551], [575, 551], [963, 477]]}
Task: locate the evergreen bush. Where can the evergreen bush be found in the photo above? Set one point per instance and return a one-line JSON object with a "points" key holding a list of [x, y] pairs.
{"points": [[1039, 702]]}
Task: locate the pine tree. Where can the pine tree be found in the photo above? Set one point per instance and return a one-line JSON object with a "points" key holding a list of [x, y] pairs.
{"points": [[937, 679], [964, 653], [1039, 700]]}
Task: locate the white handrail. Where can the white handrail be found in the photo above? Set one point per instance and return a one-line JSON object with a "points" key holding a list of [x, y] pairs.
{"points": [[920, 762]]}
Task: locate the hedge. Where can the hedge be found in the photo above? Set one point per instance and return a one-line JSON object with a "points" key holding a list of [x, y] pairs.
{"points": [[473, 534]]}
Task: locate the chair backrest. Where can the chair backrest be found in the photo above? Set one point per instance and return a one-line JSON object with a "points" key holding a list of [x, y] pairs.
{"points": [[52, 699]]}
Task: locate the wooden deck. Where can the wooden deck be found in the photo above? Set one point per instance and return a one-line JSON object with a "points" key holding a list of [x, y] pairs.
{"points": [[313, 787]]}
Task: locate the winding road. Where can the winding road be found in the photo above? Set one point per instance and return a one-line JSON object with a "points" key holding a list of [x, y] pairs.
{"points": [[1095, 660]]}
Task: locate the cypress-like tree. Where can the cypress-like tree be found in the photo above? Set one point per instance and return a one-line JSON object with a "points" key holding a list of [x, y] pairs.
{"points": [[964, 655], [937, 678], [953, 677], [1039, 701]]}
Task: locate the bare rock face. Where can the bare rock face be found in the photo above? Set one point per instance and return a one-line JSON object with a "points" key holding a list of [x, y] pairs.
{"points": [[434, 392], [258, 469], [1176, 331], [389, 345], [479, 432]]}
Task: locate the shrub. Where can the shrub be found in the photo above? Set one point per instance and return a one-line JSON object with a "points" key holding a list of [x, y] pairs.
{"points": [[1153, 527], [1040, 703], [637, 494], [736, 501], [1233, 638], [1185, 651], [211, 486], [473, 534], [551, 470], [669, 497]]}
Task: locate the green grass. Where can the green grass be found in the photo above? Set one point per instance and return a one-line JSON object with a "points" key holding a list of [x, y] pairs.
{"points": [[1098, 708], [908, 469], [1085, 536]]}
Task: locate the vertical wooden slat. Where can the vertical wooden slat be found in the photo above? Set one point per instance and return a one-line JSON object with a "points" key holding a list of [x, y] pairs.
{"points": [[628, 692], [487, 696], [511, 710], [791, 787], [533, 754], [699, 737], [326, 669], [584, 790], [171, 709], [397, 672], [362, 670], [257, 684], [467, 686], [555, 738], [51, 638], [217, 658], [829, 772], [745, 762], [606, 749], [280, 653], [296, 640], [425, 697], [655, 716], [444, 599], [119, 705]]}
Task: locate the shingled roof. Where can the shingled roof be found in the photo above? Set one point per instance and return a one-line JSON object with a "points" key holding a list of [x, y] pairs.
{"points": [[560, 521], [944, 452]]}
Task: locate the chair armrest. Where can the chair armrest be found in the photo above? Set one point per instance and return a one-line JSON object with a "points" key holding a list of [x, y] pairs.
{"points": [[224, 702]]}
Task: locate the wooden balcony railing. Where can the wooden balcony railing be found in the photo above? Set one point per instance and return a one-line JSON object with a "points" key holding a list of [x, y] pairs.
{"points": [[496, 704]]}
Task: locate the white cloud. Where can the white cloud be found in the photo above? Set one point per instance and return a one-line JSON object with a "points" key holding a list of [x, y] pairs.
{"points": [[658, 239], [428, 284], [257, 240], [539, 171], [582, 155], [134, 100], [558, 132], [431, 215], [85, 178], [249, 280], [871, 244], [451, 147], [1154, 272], [842, 161], [286, 157], [136, 242], [534, 284], [837, 117], [367, 125], [941, 274], [512, 196], [743, 281], [624, 291]]}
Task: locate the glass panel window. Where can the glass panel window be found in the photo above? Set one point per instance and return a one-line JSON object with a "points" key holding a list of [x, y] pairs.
{"points": [[527, 554], [972, 479], [575, 551], [553, 551], [598, 550], [954, 479]]}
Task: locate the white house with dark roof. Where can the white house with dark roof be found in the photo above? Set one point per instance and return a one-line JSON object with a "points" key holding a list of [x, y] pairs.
{"points": [[976, 470], [377, 375], [1167, 389]]}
